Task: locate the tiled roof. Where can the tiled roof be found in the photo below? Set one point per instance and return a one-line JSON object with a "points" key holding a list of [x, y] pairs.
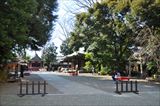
{"points": [[36, 58]]}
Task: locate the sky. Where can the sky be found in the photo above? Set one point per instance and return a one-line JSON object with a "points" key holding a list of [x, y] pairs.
{"points": [[66, 16], [63, 16]]}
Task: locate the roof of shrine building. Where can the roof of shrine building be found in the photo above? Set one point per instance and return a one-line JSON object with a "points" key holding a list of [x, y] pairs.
{"points": [[36, 58]]}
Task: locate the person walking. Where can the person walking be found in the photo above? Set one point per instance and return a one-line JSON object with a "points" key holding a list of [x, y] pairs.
{"points": [[114, 75]]}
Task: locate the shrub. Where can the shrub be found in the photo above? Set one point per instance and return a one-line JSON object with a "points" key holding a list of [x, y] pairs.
{"points": [[3, 76], [107, 70], [103, 73], [88, 66], [135, 73]]}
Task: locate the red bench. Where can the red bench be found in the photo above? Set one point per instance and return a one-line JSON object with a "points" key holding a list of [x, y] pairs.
{"points": [[122, 78]]}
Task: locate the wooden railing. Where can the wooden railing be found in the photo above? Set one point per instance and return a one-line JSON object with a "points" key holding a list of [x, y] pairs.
{"points": [[32, 88]]}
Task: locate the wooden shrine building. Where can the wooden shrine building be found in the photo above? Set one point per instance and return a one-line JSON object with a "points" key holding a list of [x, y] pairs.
{"points": [[35, 64]]}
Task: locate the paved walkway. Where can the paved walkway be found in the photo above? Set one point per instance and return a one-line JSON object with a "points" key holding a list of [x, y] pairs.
{"points": [[103, 77], [82, 91], [69, 87]]}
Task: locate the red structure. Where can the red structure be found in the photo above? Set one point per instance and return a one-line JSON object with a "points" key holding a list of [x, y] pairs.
{"points": [[35, 64], [123, 78]]}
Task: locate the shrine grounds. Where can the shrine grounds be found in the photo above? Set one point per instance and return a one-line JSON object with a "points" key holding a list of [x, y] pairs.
{"points": [[82, 90]]}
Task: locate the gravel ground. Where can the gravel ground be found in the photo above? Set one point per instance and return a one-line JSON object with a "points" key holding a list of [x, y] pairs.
{"points": [[109, 85], [12, 88], [97, 92]]}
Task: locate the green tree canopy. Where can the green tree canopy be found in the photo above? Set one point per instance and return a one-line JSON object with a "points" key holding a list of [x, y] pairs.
{"points": [[103, 33], [143, 16], [25, 24], [110, 28], [65, 50], [49, 54]]}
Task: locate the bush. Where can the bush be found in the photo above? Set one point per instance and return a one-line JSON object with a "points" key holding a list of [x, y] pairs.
{"points": [[107, 70], [103, 73], [135, 74], [3, 76], [86, 71], [88, 67]]}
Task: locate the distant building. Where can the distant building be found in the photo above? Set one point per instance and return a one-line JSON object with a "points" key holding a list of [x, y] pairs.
{"points": [[35, 64], [74, 60], [14, 65], [137, 63]]}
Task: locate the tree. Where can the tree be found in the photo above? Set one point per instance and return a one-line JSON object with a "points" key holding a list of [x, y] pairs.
{"points": [[24, 24], [105, 34], [65, 50], [85, 3], [49, 55], [148, 13], [41, 24], [66, 26], [79, 5], [13, 25], [143, 17]]}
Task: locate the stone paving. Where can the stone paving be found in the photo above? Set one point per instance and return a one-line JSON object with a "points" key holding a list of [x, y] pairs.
{"points": [[65, 90], [70, 87]]}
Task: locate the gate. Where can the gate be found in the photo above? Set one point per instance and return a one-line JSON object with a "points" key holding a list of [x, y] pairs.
{"points": [[126, 86], [32, 88]]}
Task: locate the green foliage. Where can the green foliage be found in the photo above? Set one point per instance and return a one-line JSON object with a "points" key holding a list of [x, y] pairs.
{"points": [[41, 23], [108, 70], [151, 65], [108, 30], [104, 34], [102, 68], [65, 50], [3, 76], [147, 12], [143, 17], [49, 54], [89, 56], [151, 68], [24, 24], [88, 66], [27, 58], [103, 71]]}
